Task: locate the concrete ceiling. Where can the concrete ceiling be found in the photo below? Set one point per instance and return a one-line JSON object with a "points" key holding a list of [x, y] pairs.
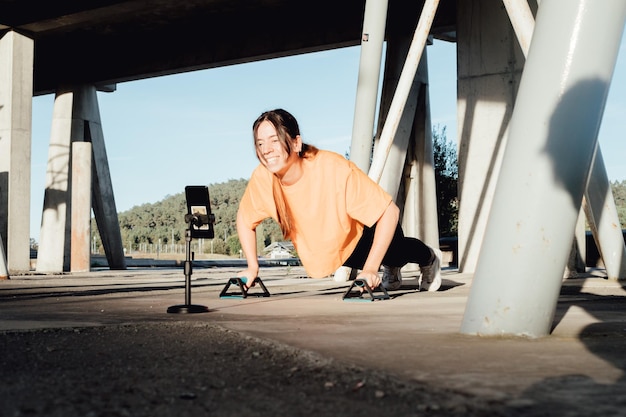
{"points": [[109, 41]]}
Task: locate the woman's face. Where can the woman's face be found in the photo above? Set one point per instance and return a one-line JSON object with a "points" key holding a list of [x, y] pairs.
{"points": [[271, 151]]}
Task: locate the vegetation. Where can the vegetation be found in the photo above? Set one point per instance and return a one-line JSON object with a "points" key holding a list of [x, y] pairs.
{"points": [[160, 227], [446, 178], [619, 194]]}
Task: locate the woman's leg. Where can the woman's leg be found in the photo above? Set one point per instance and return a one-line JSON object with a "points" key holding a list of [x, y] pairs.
{"points": [[401, 251]]}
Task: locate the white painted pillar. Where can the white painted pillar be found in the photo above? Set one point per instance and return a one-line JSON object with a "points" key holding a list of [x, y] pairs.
{"points": [[420, 216], [16, 93], [409, 174], [604, 220], [407, 77], [372, 40], [599, 196], [545, 167], [398, 117], [490, 64], [392, 174], [522, 20]]}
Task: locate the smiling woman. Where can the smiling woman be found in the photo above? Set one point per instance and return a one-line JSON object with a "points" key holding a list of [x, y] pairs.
{"points": [[331, 210]]}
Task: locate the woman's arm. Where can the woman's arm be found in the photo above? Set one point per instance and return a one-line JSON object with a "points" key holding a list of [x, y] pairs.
{"points": [[247, 237], [385, 229]]}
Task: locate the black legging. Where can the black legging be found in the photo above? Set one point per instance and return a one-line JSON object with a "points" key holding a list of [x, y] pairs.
{"points": [[401, 251]]}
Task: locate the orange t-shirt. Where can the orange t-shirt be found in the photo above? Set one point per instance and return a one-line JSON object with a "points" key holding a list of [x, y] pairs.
{"points": [[329, 205]]}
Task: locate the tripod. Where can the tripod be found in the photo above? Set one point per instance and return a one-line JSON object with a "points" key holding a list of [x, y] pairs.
{"points": [[186, 308]]}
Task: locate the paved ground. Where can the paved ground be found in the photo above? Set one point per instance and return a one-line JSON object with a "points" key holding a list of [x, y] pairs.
{"points": [[102, 343]]}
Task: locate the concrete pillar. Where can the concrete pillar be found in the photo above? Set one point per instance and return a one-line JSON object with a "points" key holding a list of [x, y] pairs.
{"points": [[522, 20], [409, 174], [546, 165], [599, 196], [372, 40], [391, 176], [399, 101], [81, 207], [54, 238], [604, 220], [103, 198], [76, 118], [403, 89], [489, 63], [576, 260], [420, 216], [16, 93]]}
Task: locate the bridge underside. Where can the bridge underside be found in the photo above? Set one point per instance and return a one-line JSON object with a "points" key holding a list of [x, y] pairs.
{"points": [[108, 41]]}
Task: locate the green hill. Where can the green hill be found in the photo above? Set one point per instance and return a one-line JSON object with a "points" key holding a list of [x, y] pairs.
{"points": [[160, 226]]}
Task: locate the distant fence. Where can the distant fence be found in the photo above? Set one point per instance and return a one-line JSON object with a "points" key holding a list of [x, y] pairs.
{"points": [[446, 244], [592, 254]]}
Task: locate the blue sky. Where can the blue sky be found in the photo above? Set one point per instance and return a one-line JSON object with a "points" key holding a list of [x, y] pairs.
{"points": [[165, 133]]}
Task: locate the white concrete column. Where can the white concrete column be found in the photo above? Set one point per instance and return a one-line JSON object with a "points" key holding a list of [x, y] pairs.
{"points": [[54, 237], [402, 93], [408, 174], [392, 173], [420, 216], [576, 260], [604, 220], [490, 64], [522, 20], [81, 207], [372, 40], [545, 167], [599, 196], [16, 92]]}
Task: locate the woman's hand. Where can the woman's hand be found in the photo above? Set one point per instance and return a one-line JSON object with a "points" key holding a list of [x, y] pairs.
{"points": [[371, 277], [383, 235], [250, 274]]}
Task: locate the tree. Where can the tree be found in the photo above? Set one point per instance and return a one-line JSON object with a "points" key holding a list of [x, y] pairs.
{"points": [[619, 194], [446, 177], [233, 245]]}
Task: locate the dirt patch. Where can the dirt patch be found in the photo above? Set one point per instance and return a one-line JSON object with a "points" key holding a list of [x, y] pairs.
{"points": [[180, 368]]}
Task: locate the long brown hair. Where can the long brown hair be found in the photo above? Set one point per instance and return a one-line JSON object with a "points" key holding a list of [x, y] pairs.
{"points": [[287, 130]]}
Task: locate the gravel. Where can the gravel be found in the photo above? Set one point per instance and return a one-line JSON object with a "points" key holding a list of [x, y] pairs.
{"points": [[181, 368]]}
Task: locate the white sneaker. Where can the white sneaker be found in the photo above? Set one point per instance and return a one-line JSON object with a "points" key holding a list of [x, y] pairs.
{"points": [[392, 278], [430, 280]]}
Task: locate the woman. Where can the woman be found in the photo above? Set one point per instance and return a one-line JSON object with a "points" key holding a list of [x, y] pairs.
{"points": [[333, 213]]}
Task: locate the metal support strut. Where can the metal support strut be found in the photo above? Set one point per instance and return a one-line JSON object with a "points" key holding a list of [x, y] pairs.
{"points": [[364, 292], [244, 292]]}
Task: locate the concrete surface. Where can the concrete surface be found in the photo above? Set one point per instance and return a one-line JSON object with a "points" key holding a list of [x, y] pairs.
{"points": [[577, 370]]}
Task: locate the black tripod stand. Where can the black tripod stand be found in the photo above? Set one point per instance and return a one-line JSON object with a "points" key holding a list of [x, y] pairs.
{"points": [[201, 225]]}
